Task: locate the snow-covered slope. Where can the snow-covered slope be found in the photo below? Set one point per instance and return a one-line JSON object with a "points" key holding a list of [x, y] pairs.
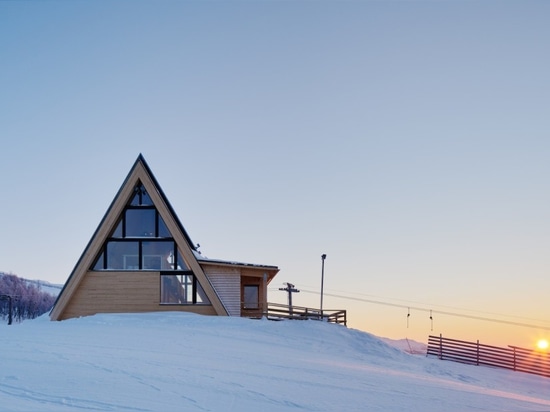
{"points": [[185, 362], [407, 345], [47, 287]]}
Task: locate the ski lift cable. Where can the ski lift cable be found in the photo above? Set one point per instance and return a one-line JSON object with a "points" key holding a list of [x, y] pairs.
{"points": [[441, 312], [441, 306]]}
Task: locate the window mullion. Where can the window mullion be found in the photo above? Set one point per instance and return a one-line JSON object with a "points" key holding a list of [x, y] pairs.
{"points": [[140, 256], [157, 216]]}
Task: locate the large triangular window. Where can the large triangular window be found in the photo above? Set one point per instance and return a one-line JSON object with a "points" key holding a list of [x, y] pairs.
{"points": [[140, 240]]}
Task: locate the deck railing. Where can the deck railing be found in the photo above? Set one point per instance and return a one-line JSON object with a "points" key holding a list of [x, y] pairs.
{"points": [[278, 311], [475, 353]]}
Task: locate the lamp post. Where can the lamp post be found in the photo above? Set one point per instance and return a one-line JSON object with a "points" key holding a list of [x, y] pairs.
{"points": [[323, 257]]}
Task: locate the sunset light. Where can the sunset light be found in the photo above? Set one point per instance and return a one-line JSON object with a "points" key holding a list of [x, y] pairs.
{"points": [[542, 344]]}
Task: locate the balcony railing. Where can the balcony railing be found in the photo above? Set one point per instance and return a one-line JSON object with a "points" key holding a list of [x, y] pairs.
{"points": [[277, 311]]}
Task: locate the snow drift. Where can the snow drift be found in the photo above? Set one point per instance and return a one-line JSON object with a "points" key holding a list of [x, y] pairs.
{"points": [[185, 362]]}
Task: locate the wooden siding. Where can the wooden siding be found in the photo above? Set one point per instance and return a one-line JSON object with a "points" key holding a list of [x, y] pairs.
{"points": [[227, 283], [123, 292]]}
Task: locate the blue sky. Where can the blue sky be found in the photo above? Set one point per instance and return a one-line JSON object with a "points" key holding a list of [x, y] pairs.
{"points": [[407, 140]]}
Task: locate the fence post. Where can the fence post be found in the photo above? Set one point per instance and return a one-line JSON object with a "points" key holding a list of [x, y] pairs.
{"points": [[440, 346], [477, 354]]}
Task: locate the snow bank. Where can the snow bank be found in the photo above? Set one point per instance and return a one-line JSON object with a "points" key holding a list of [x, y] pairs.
{"points": [[185, 362]]}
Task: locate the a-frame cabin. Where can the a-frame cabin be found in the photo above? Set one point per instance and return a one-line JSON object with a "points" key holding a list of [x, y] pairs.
{"points": [[141, 259]]}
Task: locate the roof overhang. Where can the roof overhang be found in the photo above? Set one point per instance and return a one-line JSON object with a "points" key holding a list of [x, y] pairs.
{"points": [[271, 271]]}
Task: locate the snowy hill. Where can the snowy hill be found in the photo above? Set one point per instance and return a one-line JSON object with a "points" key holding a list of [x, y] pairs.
{"points": [[407, 345], [44, 286], [184, 362], [47, 287]]}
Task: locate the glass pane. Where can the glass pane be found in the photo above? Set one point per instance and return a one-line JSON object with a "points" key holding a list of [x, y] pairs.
{"points": [[140, 222], [99, 263], [118, 230], [145, 199], [187, 285], [135, 200], [122, 255], [158, 255], [170, 289], [163, 230], [141, 198], [181, 262], [177, 289], [251, 296], [201, 295]]}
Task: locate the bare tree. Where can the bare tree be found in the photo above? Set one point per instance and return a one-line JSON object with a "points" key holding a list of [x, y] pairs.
{"points": [[28, 301]]}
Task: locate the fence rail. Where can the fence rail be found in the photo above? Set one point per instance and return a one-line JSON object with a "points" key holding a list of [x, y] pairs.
{"points": [[475, 353], [277, 311]]}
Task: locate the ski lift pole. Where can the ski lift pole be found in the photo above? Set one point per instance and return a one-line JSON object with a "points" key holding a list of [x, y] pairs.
{"points": [[290, 289]]}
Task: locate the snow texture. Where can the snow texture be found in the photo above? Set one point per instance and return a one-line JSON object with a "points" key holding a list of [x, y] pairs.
{"points": [[185, 362]]}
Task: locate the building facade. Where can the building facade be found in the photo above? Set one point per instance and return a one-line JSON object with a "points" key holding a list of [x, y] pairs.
{"points": [[141, 259]]}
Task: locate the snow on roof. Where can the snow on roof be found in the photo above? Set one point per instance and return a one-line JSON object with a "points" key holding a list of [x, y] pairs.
{"points": [[204, 259]]}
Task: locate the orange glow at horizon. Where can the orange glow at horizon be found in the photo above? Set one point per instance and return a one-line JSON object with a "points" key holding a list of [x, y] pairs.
{"points": [[393, 323], [542, 344]]}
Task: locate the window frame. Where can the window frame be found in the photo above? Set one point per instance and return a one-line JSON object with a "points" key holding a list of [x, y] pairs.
{"points": [[102, 263], [194, 283], [140, 201]]}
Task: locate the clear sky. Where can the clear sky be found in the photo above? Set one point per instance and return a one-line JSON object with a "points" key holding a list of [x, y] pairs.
{"points": [[407, 140]]}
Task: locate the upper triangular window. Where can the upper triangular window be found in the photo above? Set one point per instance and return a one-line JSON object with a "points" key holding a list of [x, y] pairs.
{"points": [[141, 240], [141, 197]]}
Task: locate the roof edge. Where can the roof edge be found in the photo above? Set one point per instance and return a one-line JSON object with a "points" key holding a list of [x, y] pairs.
{"points": [[139, 159]]}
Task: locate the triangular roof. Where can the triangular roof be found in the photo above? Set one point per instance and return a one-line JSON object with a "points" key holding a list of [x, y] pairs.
{"points": [[140, 173]]}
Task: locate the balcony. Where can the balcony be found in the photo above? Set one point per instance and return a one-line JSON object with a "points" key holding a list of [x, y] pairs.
{"points": [[277, 311]]}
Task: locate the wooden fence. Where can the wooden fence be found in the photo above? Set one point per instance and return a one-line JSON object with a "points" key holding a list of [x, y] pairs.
{"points": [[475, 353], [277, 311]]}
